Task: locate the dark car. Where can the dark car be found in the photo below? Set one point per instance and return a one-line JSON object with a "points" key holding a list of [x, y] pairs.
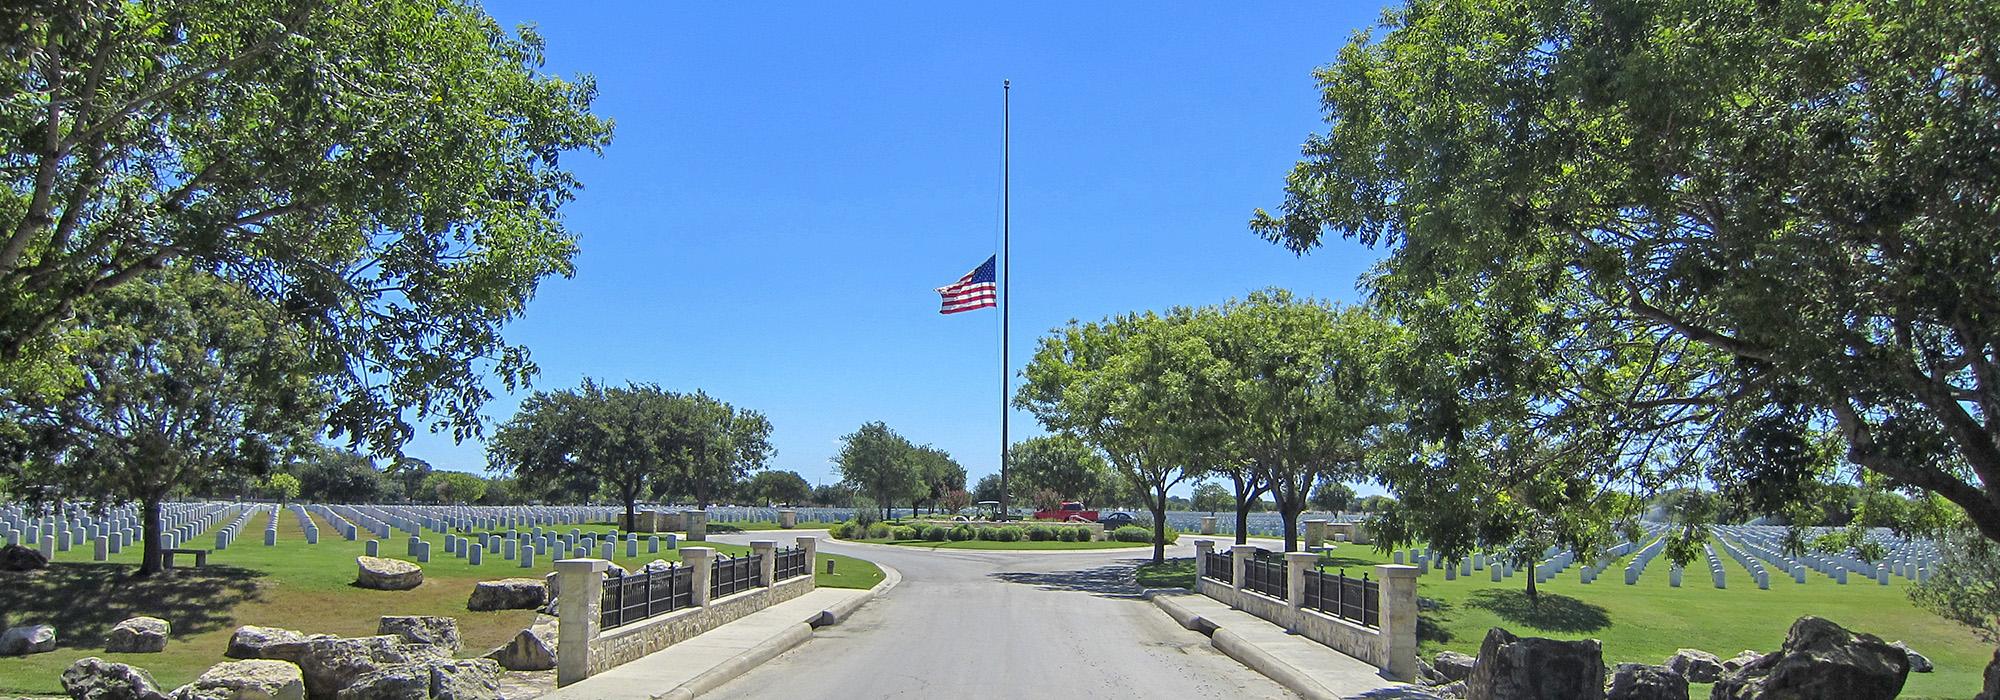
{"points": [[1117, 519]]}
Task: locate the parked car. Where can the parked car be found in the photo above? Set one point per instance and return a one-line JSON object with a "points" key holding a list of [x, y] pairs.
{"points": [[1117, 519]]}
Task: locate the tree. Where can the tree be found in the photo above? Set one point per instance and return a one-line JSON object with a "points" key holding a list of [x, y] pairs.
{"points": [[1719, 244], [832, 496], [282, 486], [1059, 463], [1376, 504], [330, 475], [955, 501], [502, 491], [876, 461], [714, 445], [186, 381], [937, 474], [384, 173], [1333, 496], [1211, 497], [776, 487], [454, 488], [988, 489], [616, 437]]}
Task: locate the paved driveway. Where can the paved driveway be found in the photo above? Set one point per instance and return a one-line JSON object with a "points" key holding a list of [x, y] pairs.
{"points": [[967, 624]]}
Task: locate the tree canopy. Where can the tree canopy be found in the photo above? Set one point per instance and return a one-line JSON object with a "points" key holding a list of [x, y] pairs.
{"points": [[876, 461], [1059, 463]]}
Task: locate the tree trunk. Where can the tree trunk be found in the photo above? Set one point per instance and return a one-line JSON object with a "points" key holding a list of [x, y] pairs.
{"points": [[1289, 514], [1159, 508], [1243, 522], [631, 513], [1533, 597], [151, 555]]}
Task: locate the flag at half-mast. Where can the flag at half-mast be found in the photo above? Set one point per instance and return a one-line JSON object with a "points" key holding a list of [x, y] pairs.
{"points": [[976, 290]]}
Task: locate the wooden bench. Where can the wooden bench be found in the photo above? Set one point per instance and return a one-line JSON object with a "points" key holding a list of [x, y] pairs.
{"points": [[200, 557]]}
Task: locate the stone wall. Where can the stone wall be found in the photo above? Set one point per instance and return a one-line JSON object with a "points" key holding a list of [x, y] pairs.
{"points": [[1343, 636], [625, 644], [1391, 648]]}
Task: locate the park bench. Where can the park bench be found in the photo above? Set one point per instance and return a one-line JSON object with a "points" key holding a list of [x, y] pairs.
{"points": [[200, 557]]}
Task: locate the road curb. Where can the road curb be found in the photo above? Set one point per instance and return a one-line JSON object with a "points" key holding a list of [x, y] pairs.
{"points": [[1235, 647], [768, 649]]}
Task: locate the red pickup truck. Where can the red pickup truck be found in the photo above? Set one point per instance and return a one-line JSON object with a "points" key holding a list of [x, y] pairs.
{"points": [[1066, 511]]}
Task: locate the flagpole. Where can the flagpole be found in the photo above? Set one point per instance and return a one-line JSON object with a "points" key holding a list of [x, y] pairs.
{"points": [[1006, 271]]}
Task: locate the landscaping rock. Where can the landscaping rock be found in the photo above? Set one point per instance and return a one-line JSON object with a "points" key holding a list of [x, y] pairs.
{"points": [[1532, 668], [388, 574], [27, 639], [656, 566], [253, 642], [422, 629], [465, 679], [399, 682], [1918, 662], [142, 635], [1644, 682], [15, 557], [508, 594], [1742, 658], [553, 583], [92, 678], [1454, 690], [261, 679], [1992, 689], [1820, 660], [530, 651], [330, 665], [1695, 665], [1454, 666], [1428, 674]]}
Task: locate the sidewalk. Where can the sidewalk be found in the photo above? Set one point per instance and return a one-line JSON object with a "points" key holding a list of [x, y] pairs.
{"points": [[1303, 666], [710, 659]]}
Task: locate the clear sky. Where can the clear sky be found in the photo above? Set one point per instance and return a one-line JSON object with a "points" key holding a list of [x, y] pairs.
{"points": [[786, 186]]}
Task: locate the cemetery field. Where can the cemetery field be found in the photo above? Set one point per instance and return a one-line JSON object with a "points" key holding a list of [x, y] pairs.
{"points": [[292, 585]]}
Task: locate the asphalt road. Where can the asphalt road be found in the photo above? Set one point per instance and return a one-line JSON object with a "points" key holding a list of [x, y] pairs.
{"points": [[967, 624]]}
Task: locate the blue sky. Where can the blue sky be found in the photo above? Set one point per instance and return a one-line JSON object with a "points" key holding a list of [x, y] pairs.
{"points": [[787, 185]]}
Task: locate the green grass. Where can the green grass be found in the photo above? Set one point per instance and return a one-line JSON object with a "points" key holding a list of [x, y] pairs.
{"points": [[1649, 621], [848, 572], [291, 585], [1172, 573]]}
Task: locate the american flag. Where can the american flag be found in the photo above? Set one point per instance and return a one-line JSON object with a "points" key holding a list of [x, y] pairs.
{"points": [[975, 290]]}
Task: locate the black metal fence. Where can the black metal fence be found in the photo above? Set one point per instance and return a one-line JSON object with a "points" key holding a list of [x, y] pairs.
{"points": [[1353, 599], [1219, 567], [1264, 576], [633, 597], [730, 575], [792, 562]]}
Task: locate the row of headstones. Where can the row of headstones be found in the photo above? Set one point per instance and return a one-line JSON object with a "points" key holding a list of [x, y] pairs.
{"points": [[1834, 566], [1756, 569], [227, 534], [1905, 557], [117, 530], [413, 519], [522, 547], [1637, 567]]}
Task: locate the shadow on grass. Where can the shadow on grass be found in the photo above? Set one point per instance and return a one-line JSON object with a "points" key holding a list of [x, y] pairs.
{"points": [[1110, 581], [84, 601], [1432, 615], [1172, 573], [1554, 613], [1332, 562]]}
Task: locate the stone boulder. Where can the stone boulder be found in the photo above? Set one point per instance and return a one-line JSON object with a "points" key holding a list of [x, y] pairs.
{"points": [[140, 635], [656, 566], [422, 629], [253, 642], [92, 678], [1644, 682], [15, 557], [465, 679], [331, 664], [1742, 658], [399, 682], [1532, 668], [387, 574], [259, 679], [1991, 691], [1695, 665], [1453, 666], [27, 639], [1820, 660], [531, 650], [1918, 662], [508, 594], [1454, 690]]}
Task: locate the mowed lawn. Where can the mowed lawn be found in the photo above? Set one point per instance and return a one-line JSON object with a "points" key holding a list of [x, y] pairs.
{"points": [[1649, 621], [291, 585]]}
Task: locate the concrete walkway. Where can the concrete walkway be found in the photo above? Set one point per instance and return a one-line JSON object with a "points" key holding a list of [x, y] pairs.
{"points": [[694, 666], [1303, 666]]}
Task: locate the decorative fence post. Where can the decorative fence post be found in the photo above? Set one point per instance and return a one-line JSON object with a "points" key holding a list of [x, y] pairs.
{"points": [[1296, 566], [700, 561], [1398, 608], [767, 561], [697, 525], [788, 519], [1202, 548], [1239, 559], [1315, 533], [1208, 524], [582, 586], [811, 545]]}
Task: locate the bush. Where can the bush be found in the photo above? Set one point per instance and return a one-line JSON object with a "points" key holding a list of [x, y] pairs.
{"points": [[1132, 533], [917, 530], [937, 534], [961, 533], [865, 513], [1068, 534], [1041, 533], [878, 531], [841, 530], [985, 533], [1007, 534], [902, 532]]}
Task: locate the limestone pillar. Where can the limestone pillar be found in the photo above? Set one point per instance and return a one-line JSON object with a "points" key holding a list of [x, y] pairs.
{"points": [[811, 545], [699, 560], [1208, 524], [1239, 559], [767, 561], [788, 519], [1296, 566], [1202, 548], [1398, 608], [583, 593], [1315, 533], [697, 525]]}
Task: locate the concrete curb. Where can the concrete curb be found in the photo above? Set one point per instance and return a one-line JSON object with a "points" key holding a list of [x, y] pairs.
{"points": [[1236, 648], [768, 649]]}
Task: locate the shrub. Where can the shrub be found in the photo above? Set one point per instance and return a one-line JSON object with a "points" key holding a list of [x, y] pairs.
{"points": [[865, 513], [841, 530], [937, 534], [1007, 534], [903, 532], [1041, 533], [961, 533], [985, 533], [917, 530], [1068, 534], [878, 531], [1132, 533]]}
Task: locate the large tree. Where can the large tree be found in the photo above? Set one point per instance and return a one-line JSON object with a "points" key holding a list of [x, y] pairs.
{"points": [[384, 172], [937, 474], [1059, 463], [780, 488], [186, 381], [715, 445], [1712, 229], [616, 437], [876, 462]]}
